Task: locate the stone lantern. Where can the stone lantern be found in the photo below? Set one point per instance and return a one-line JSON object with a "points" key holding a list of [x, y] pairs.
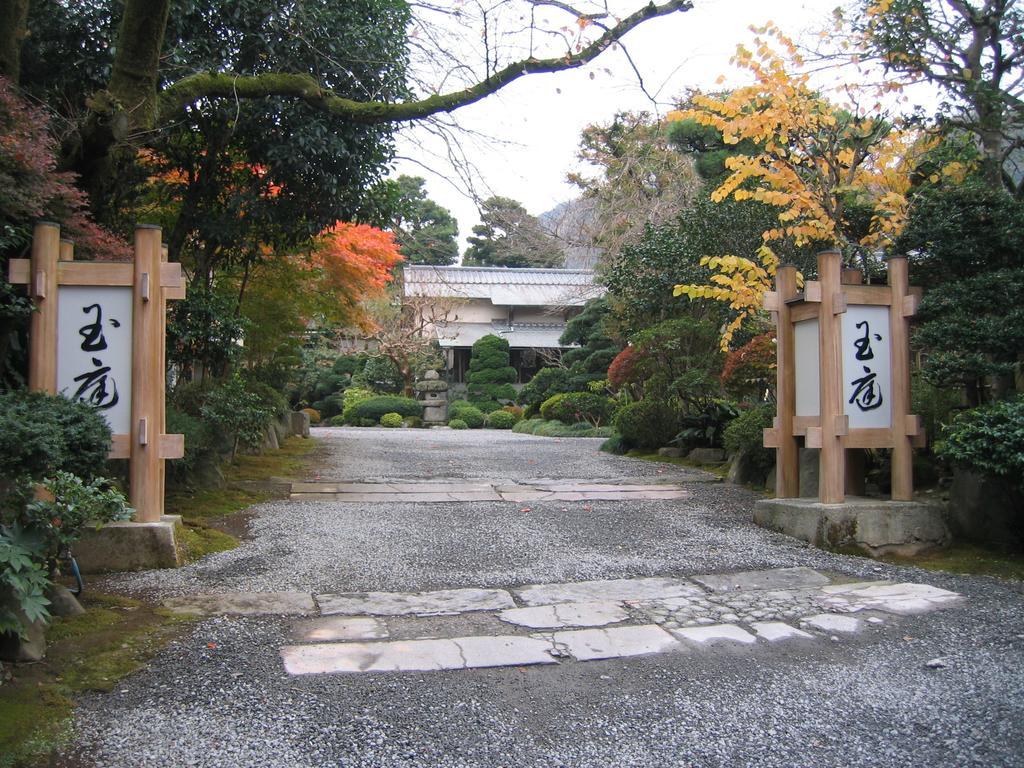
{"points": [[433, 393]]}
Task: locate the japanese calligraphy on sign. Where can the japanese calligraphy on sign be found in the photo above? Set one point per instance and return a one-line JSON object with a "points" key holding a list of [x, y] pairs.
{"points": [[867, 382], [94, 350]]}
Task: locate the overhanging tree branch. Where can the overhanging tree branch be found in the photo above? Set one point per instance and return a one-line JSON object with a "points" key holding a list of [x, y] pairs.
{"points": [[209, 85]]}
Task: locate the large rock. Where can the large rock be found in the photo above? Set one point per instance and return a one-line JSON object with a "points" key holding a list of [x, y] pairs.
{"points": [[30, 647], [270, 441], [129, 546], [809, 466], [706, 455], [62, 602], [987, 510], [745, 471], [300, 423], [670, 452]]}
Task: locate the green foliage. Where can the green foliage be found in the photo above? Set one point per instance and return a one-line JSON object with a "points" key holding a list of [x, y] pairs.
{"points": [[486, 406], [458, 424], [391, 420], [615, 445], [544, 384], [508, 236], [490, 376], [574, 407], [41, 434], [337, 421], [972, 328], [463, 411], [704, 429], [988, 440], [237, 413], [271, 399], [352, 397], [680, 360], [380, 375], [746, 433], [596, 350], [202, 446], [648, 423], [426, 232], [501, 420], [935, 406], [204, 331], [24, 576], [373, 408]]}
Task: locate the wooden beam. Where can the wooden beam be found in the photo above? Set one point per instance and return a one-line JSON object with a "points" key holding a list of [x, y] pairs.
{"points": [[875, 295], [787, 456], [111, 273], [120, 447], [832, 472], [899, 339]]}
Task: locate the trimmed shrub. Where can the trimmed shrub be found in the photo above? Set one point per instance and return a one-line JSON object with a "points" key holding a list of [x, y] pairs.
{"points": [[572, 407], [314, 415], [458, 405], [473, 417], [414, 422], [458, 424], [373, 408], [501, 420], [237, 413], [745, 433], [391, 420], [647, 424], [336, 421], [41, 433], [490, 376], [352, 397], [486, 406], [527, 426], [546, 383], [515, 410], [615, 445]]}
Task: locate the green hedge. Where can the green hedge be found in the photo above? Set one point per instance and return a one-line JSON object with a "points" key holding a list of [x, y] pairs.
{"points": [[501, 420], [746, 433], [373, 408], [647, 423], [391, 420], [458, 424], [572, 407], [988, 440]]}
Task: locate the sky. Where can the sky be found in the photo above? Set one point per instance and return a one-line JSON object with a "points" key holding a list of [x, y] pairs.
{"points": [[535, 122]]}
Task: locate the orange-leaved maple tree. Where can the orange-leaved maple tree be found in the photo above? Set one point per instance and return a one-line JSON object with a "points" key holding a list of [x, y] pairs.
{"points": [[812, 157], [355, 262]]}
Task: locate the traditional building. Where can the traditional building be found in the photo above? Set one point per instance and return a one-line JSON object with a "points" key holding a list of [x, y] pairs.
{"points": [[528, 307]]}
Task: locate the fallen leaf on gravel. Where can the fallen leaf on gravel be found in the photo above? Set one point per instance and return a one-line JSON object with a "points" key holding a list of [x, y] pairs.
{"points": [[587, 508], [212, 646], [525, 509]]}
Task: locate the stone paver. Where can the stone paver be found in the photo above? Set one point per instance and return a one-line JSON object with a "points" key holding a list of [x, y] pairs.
{"points": [[775, 578], [605, 589], [244, 603], [716, 633], [417, 655], [591, 614], [333, 628], [773, 631], [441, 602], [830, 622], [614, 642]]}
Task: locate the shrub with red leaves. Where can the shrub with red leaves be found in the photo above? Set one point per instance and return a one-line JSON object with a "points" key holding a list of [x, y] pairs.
{"points": [[749, 371]]}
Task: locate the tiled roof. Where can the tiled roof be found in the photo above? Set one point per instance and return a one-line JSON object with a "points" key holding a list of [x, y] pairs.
{"points": [[496, 276], [504, 286]]}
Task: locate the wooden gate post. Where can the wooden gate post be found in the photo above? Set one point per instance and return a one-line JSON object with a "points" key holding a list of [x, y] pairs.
{"points": [[42, 363], [147, 378], [787, 469], [904, 426], [832, 472]]}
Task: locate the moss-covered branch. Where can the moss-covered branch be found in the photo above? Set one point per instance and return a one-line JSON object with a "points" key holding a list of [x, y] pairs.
{"points": [[208, 85]]}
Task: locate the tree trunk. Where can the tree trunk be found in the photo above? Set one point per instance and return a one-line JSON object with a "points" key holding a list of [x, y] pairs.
{"points": [[13, 19], [134, 76]]}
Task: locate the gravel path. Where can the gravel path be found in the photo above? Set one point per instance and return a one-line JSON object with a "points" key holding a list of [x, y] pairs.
{"points": [[865, 700]]}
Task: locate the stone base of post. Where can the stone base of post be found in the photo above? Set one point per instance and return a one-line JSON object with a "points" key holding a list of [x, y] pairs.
{"points": [[871, 526], [129, 546]]}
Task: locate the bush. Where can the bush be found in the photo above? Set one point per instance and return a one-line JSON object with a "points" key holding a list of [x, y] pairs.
{"points": [[458, 424], [272, 400], [572, 407], [490, 376], [745, 433], [336, 421], [647, 424], [704, 429], [486, 406], [501, 420], [546, 383], [615, 445], [373, 408], [314, 415], [527, 426], [988, 440], [202, 446], [41, 433], [352, 397], [239, 414], [381, 375], [391, 420], [414, 422], [473, 417]]}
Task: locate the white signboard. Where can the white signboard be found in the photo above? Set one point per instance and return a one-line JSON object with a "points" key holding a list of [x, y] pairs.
{"points": [[808, 370], [94, 350], [867, 377]]}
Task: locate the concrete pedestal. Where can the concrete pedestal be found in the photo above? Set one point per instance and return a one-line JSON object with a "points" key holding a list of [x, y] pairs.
{"points": [[875, 526], [129, 546]]}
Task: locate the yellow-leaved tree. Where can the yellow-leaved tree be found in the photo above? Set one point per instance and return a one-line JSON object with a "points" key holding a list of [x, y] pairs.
{"points": [[814, 161]]}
